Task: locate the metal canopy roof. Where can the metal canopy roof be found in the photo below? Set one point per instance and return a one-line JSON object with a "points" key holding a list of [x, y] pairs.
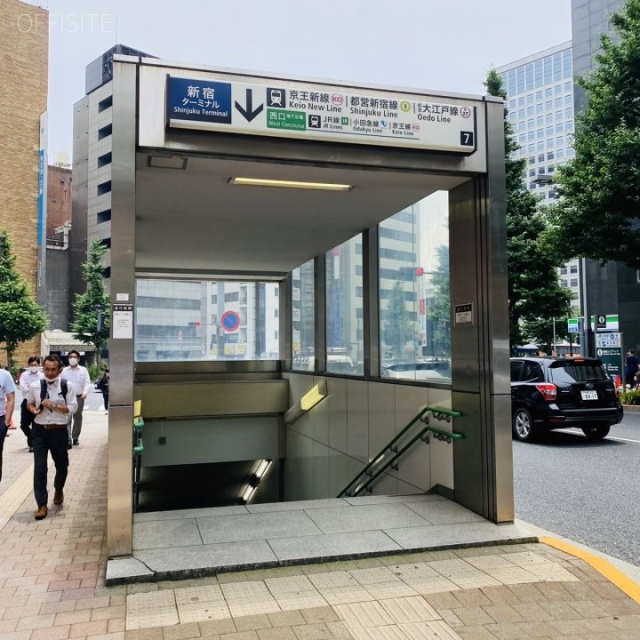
{"points": [[191, 221]]}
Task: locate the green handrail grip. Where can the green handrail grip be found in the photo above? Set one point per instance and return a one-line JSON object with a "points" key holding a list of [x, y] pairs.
{"points": [[437, 411], [388, 446], [139, 447], [386, 465], [449, 434], [138, 423], [447, 412]]}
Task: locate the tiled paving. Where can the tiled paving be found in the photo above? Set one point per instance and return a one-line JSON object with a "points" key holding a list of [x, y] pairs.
{"points": [[52, 577]]}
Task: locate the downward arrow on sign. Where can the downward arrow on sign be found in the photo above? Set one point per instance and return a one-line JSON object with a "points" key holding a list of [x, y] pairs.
{"points": [[249, 113]]}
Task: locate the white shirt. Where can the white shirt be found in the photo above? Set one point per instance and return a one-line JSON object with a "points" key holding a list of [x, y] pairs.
{"points": [[27, 379], [54, 393], [78, 378]]}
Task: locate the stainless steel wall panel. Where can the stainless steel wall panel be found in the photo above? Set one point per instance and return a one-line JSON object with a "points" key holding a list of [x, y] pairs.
{"points": [[121, 356], [357, 420], [480, 358], [320, 310], [382, 416]]}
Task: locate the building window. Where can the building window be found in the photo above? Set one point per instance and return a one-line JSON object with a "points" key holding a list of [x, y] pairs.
{"points": [[105, 104], [103, 216], [104, 159], [105, 131], [103, 188], [574, 268], [574, 282]]}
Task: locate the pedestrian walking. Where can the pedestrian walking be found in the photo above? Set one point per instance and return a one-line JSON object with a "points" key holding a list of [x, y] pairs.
{"points": [[103, 386], [51, 400], [27, 378], [78, 378], [631, 365], [7, 403]]}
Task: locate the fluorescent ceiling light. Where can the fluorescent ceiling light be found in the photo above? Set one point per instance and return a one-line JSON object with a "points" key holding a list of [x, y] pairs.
{"points": [[290, 184], [263, 467], [248, 493]]}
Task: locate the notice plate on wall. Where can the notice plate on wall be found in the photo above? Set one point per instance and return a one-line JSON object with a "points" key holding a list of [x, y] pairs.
{"points": [[464, 313]]}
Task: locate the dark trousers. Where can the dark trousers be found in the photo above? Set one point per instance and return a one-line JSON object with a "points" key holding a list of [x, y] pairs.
{"points": [[26, 420], [3, 435], [45, 440]]}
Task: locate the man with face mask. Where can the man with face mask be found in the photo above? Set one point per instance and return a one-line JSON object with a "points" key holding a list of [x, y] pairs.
{"points": [[27, 378], [51, 402], [78, 377]]}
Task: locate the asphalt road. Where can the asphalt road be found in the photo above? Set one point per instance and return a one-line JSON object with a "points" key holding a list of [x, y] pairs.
{"points": [[588, 492]]}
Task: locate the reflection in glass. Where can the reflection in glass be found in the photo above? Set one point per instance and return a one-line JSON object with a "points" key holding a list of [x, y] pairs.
{"points": [[180, 320], [415, 332], [303, 317], [345, 341]]}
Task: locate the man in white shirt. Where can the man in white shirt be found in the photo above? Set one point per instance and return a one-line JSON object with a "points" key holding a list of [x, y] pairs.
{"points": [[27, 378], [7, 402], [51, 407], [78, 377]]}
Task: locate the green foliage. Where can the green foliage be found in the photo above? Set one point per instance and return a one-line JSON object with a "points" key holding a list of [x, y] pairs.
{"points": [[439, 313], [630, 397], [20, 316], [92, 302], [597, 216], [95, 371], [397, 328], [535, 295]]}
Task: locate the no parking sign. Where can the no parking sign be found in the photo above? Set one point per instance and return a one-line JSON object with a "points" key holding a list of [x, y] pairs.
{"points": [[230, 321]]}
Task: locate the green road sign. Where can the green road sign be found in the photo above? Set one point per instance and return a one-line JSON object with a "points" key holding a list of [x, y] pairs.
{"points": [[285, 119]]}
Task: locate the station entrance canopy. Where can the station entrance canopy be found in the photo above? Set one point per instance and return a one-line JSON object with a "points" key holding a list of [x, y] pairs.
{"points": [[220, 174], [225, 135]]}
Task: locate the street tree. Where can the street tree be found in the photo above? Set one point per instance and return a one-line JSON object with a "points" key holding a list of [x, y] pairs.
{"points": [[397, 327], [534, 291], [20, 316], [597, 214], [91, 317]]}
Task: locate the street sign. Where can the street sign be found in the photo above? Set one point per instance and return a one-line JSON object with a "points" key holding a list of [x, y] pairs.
{"points": [[230, 321], [573, 325], [609, 322], [609, 350]]}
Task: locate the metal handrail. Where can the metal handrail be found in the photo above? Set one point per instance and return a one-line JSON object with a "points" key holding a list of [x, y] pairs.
{"points": [[440, 434]]}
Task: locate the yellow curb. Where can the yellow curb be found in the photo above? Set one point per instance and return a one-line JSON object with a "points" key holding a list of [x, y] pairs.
{"points": [[631, 588]]}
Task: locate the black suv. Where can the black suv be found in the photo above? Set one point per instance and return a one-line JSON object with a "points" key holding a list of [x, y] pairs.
{"points": [[558, 393]]}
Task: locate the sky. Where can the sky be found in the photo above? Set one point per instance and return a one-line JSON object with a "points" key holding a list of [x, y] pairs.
{"points": [[442, 45]]}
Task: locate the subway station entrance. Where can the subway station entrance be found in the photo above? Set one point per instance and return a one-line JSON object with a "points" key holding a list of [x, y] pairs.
{"points": [[375, 217]]}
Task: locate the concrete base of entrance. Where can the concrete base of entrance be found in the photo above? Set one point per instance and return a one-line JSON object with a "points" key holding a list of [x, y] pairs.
{"points": [[205, 542]]}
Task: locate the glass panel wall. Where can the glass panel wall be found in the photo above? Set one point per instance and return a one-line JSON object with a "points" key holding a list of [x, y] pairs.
{"points": [[415, 332], [206, 320], [303, 317], [345, 336]]}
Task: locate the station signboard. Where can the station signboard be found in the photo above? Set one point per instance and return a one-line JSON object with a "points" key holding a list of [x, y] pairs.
{"points": [[320, 112]]}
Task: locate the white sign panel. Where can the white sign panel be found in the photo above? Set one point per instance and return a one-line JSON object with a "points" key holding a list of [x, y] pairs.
{"points": [[608, 340], [464, 313], [320, 112], [122, 321]]}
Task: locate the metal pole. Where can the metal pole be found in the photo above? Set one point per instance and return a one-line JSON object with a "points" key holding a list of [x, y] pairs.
{"points": [[553, 347]]}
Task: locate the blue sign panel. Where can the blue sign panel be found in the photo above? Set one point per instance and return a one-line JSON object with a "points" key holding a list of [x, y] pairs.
{"points": [[198, 101], [230, 321]]}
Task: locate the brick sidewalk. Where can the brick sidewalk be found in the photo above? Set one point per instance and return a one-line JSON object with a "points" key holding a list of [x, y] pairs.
{"points": [[52, 583]]}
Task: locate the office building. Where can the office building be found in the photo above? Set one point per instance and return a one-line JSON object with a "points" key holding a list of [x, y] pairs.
{"points": [[540, 100], [612, 289], [24, 67]]}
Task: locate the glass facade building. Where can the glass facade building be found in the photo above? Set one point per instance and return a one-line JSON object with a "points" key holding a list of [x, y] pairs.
{"points": [[540, 102]]}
